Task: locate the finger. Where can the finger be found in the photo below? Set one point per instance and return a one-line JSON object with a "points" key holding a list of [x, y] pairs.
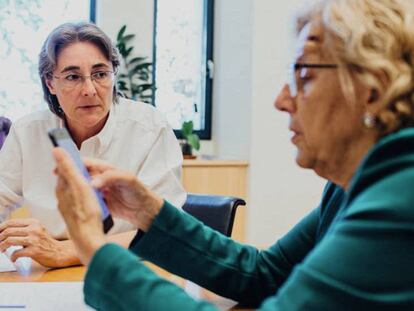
{"points": [[18, 222], [113, 177], [14, 241], [24, 252], [9, 232], [96, 166], [61, 185]]}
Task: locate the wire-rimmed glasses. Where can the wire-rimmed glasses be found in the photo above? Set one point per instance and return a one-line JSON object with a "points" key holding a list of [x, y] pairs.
{"points": [[73, 80], [296, 74]]}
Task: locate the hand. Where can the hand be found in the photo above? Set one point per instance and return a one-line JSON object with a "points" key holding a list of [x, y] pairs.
{"points": [[125, 196], [36, 241], [79, 207]]}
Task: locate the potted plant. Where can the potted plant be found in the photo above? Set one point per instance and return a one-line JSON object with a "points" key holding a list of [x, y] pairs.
{"points": [[135, 78], [190, 140]]}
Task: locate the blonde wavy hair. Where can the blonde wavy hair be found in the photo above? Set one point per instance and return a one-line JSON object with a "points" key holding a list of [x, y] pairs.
{"points": [[372, 41]]}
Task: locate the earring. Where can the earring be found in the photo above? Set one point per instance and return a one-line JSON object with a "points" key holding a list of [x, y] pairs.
{"points": [[369, 120]]}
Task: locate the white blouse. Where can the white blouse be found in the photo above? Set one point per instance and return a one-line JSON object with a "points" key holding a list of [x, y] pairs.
{"points": [[135, 138]]}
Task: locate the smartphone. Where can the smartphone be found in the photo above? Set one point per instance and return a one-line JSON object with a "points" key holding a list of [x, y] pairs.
{"points": [[61, 138]]}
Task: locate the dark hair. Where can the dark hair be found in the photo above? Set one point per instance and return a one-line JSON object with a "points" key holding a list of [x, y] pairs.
{"points": [[61, 37]]}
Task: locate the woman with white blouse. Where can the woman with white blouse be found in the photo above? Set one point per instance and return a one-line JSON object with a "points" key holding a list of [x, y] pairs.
{"points": [[77, 66]]}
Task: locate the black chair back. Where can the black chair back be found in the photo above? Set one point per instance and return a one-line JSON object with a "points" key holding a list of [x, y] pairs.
{"points": [[215, 211]]}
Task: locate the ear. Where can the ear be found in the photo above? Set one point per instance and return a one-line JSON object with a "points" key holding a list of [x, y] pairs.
{"points": [[373, 100], [373, 96], [51, 86]]}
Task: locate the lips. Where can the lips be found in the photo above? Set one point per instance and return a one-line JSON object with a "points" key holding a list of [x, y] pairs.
{"points": [[296, 134], [86, 107], [295, 138]]}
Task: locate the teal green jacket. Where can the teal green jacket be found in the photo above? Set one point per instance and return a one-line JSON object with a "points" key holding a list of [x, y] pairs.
{"points": [[354, 252]]}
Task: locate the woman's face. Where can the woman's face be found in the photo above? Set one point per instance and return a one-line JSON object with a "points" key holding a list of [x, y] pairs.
{"points": [[86, 104], [324, 125]]}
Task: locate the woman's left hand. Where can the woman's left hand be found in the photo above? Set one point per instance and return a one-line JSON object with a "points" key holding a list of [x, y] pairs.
{"points": [[79, 207], [36, 241]]}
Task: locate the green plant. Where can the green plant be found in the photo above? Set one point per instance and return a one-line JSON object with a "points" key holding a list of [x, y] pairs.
{"points": [[135, 79], [189, 137]]}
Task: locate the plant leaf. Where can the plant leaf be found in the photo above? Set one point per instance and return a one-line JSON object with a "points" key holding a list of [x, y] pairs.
{"points": [[121, 48], [187, 128], [122, 85], [121, 33], [194, 141], [140, 88], [128, 37], [143, 76], [128, 51], [136, 60], [135, 78], [140, 67]]}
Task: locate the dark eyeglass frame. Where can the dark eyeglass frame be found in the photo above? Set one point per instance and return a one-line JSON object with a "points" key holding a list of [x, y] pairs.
{"points": [[93, 77], [293, 86]]}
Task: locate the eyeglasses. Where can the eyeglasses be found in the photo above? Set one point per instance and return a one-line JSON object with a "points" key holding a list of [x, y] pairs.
{"points": [[73, 80], [297, 74]]}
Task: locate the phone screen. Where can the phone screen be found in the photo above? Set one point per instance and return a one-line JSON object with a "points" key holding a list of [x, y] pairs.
{"points": [[61, 138]]}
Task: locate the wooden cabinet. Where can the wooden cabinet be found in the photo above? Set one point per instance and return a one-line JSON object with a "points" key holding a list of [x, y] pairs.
{"points": [[221, 178]]}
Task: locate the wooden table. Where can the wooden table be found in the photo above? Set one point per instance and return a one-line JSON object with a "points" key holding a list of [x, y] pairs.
{"points": [[38, 273]]}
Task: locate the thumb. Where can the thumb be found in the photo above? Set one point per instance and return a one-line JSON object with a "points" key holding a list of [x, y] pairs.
{"points": [[112, 177]]}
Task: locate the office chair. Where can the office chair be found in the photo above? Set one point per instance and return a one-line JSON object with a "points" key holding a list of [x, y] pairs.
{"points": [[215, 211]]}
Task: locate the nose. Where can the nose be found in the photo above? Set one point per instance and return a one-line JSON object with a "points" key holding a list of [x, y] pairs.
{"points": [[284, 101], [88, 88]]}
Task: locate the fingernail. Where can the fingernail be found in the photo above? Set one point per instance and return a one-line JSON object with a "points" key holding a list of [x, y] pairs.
{"points": [[96, 182]]}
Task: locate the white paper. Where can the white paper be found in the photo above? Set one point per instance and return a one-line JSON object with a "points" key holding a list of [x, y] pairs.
{"points": [[5, 264], [22, 264], [43, 296]]}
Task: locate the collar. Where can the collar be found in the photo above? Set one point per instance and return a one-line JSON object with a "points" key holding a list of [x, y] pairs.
{"points": [[389, 155], [104, 137]]}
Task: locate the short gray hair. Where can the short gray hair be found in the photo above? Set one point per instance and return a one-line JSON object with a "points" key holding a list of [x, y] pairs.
{"points": [[61, 37]]}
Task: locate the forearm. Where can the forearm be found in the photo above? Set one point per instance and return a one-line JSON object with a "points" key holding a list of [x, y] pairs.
{"points": [[136, 286], [70, 258], [182, 245]]}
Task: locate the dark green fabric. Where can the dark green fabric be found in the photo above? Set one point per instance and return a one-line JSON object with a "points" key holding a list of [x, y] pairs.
{"points": [[354, 252], [117, 280]]}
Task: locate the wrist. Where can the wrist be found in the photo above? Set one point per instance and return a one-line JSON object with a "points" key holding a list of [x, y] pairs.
{"points": [[88, 249], [153, 205], [69, 255]]}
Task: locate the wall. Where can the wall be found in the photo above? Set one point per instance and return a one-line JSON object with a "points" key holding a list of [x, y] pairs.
{"points": [[138, 15], [253, 46], [233, 78], [280, 192]]}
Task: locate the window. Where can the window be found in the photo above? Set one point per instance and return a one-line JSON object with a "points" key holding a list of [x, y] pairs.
{"points": [[24, 26], [183, 66]]}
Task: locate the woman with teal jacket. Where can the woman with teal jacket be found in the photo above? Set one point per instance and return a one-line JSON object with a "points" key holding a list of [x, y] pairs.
{"points": [[351, 108]]}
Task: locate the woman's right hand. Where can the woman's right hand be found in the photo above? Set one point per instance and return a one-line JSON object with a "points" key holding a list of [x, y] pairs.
{"points": [[125, 195]]}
